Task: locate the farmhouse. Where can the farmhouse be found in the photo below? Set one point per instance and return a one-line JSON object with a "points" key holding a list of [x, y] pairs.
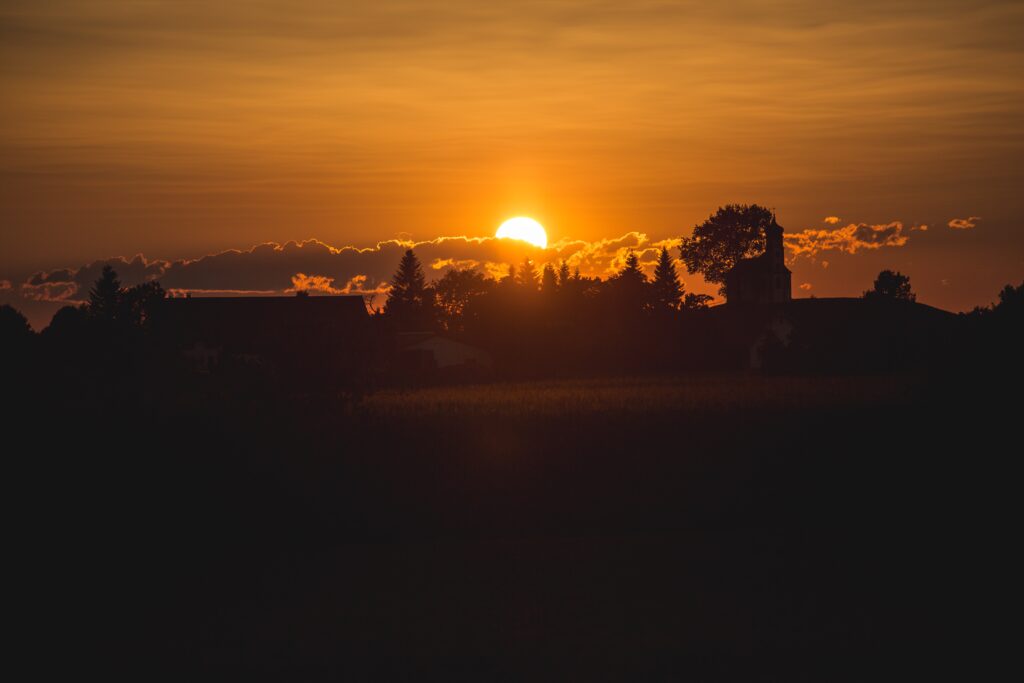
{"points": [[427, 352], [764, 279]]}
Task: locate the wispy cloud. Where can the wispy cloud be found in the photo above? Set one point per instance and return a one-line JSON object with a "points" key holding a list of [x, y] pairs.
{"points": [[849, 239], [317, 267], [968, 223]]}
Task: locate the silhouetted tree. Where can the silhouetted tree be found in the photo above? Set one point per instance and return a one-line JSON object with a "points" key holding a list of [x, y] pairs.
{"points": [[527, 277], [13, 325], [734, 232], [105, 297], [549, 280], [629, 287], [631, 270], [15, 335], [455, 291], [509, 281], [410, 303], [891, 284], [695, 302], [69, 321], [563, 274], [666, 288], [140, 301], [1011, 300]]}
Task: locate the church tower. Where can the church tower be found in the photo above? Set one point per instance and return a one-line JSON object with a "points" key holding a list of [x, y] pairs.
{"points": [[764, 279], [773, 243]]}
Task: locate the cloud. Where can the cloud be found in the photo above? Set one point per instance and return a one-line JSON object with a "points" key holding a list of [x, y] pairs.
{"points": [[806, 286], [833, 220], [442, 263], [71, 285], [322, 284], [320, 268], [313, 283], [51, 291], [919, 228], [849, 239], [964, 223]]}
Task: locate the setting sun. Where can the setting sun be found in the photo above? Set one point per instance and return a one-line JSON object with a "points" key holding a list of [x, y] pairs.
{"points": [[525, 229]]}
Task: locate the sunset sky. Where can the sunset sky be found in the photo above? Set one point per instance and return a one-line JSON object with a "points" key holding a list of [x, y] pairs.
{"points": [[178, 130]]}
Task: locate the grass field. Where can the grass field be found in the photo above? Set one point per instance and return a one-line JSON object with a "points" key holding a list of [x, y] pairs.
{"points": [[632, 528], [636, 396]]}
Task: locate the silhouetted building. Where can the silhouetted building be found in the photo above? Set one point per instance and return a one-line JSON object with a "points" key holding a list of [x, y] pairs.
{"points": [[425, 352], [301, 336], [764, 279]]}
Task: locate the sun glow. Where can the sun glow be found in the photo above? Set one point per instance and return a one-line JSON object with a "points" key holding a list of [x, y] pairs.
{"points": [[525, 229]]}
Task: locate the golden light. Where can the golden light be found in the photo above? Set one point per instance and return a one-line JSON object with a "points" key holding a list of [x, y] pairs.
{"points": [[525, 229]]}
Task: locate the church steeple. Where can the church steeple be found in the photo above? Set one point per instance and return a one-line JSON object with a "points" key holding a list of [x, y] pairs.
{"points": [[773, 241], [764, 279]]}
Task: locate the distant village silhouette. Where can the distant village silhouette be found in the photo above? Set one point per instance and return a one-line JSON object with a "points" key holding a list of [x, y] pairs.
{"points": [[467, 327]]}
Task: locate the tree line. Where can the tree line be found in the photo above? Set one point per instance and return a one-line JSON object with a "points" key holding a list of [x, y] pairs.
{"points": [[538, 320], [460, 296]]}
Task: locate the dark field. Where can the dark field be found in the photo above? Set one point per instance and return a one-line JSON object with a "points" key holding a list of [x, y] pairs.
{"points": [[705, 528]]}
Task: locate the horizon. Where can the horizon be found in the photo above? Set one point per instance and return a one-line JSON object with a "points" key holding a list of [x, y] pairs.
{"points": [[44, 292]]}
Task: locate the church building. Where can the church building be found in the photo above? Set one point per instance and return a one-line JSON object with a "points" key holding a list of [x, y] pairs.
{"points": [[764, 279]]}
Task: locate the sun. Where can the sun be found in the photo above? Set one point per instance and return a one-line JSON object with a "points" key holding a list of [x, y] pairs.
{"points": [[525, 229]]}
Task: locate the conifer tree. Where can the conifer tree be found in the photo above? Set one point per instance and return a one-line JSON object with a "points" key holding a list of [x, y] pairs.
{"points": [[563, 274], [629, 286], [409, 299], [549, 279], [667, 290], [631, 270], [106, 296], [527, 277], [510, 280]]}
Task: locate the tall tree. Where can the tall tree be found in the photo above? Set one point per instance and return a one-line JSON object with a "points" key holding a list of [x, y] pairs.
{"points": [[549, 280], [409, 299], [631, 271], [891, 284], [455, 291], [106, 296], [734, 232], [563, 274], [510, 280], [629, 286], [667, 290], [527, 277]]}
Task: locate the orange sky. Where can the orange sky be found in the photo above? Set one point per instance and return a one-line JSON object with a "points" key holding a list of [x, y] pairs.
{"points": [[179, 129]]}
